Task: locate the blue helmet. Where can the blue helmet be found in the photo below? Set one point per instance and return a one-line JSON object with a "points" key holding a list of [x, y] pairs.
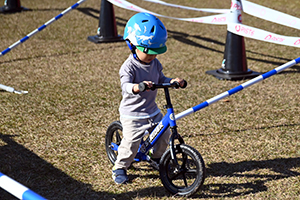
{"points": [[147, 33]]}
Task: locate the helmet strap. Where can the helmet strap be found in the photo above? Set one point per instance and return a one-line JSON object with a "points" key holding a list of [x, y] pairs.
{"points": [[132, 49], [131, 46]]}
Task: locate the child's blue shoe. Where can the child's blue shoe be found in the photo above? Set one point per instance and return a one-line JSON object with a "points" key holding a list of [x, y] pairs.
{"points": [[119, 176]]}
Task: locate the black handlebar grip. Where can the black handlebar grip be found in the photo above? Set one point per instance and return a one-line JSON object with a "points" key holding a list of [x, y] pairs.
{"points": [[177, 85], [142, 86]]}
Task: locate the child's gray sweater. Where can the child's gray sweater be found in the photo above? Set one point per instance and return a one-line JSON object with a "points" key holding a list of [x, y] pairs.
{"points": [[142, 105]]}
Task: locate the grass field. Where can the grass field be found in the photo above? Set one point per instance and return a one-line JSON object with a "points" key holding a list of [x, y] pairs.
{"points": [[52, 139]]}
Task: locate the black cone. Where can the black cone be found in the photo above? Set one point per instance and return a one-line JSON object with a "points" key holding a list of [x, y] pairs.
{"points": [[107, 31], [12, 6], [234, 65]]}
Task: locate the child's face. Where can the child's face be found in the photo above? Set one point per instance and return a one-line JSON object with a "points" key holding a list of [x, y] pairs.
{"points": [[146, 58]]}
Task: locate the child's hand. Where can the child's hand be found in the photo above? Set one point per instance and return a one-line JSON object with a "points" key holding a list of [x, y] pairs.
{"points": [[179, 80], [149, 84], [136, 86]]}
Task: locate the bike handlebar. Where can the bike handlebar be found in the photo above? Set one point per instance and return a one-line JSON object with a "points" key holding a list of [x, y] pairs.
{"points": [[143, 86]]}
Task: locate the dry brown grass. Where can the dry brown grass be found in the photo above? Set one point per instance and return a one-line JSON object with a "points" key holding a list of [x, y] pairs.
{"points": [[52, 139]]}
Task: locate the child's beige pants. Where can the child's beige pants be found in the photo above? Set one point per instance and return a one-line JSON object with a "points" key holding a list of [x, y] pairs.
{"points": [[133, 131]]}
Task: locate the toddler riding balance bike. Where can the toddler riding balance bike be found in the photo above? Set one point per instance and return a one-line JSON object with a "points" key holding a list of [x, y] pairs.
{"points": [[181, 167]]}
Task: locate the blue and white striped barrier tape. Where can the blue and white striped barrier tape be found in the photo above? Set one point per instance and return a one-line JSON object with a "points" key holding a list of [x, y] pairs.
{"points": [[18, 190], [41, 28], [237, 89]]}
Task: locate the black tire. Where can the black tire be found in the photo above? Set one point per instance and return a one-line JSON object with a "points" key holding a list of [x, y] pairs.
{"points": [[113, 134], [185, 179]]}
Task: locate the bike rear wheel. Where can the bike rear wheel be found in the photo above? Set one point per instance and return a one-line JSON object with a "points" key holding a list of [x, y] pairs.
{"points": [[113, 136], [186, 178]]}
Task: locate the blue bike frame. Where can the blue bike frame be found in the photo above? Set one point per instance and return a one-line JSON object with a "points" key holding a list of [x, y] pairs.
{"points": [[168, 121]]}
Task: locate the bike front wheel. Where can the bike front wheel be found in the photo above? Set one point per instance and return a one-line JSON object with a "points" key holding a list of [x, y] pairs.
{"points": [[186, 178], [112, 138]]}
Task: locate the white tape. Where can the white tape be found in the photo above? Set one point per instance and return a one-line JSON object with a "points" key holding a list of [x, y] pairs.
{"points": [[233, 25], [270, 14], [220, 19], [258, 34], [210, 10]]}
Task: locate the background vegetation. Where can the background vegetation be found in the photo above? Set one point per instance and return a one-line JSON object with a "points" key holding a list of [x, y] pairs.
{"points": [[52, 139]]}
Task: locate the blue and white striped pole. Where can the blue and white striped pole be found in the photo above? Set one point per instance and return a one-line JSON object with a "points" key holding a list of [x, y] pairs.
{"points": [[237, 89], [41, 28], [18, 190], [11, 89]]}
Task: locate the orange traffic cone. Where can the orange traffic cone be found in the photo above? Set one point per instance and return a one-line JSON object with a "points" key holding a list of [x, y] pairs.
{"points": [[107, 30]]}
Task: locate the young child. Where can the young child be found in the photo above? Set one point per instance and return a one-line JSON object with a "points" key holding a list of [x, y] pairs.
{"points": [[146, 36]]}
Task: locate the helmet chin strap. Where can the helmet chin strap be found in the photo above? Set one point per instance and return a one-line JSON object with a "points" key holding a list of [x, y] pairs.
{"points": [[132, 49]]}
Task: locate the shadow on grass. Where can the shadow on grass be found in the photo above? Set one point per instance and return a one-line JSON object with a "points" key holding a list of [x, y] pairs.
{"points": [[61, 54], [227, 130], [27, 168], [42, 177], [282, 168], [90, 12], [253, 182], [33, 172], [96, 13], [184, 38]]}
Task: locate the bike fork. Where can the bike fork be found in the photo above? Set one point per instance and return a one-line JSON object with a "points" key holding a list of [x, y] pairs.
{"points": [[174, 136]]}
